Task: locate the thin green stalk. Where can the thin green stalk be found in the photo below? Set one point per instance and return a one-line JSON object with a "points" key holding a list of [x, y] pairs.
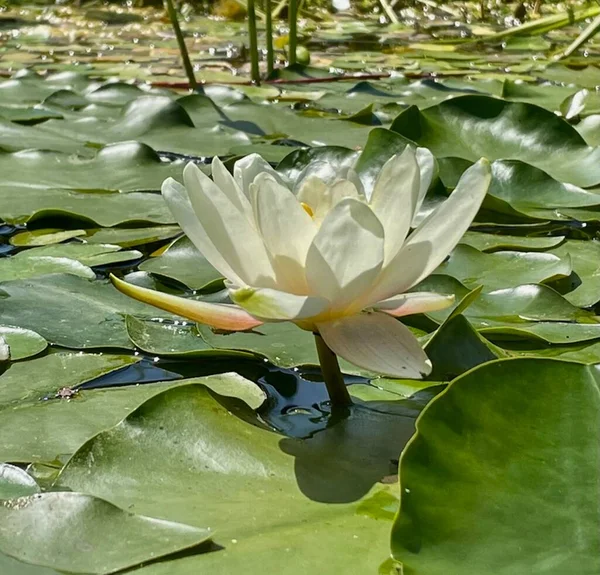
{"points": [[293, 37], [586, 35], [332, 375], [255, 73], [269, 34], [185, 57]]}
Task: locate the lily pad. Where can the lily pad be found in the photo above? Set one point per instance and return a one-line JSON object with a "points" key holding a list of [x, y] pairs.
{"points": [[158, 122], [503, 269], [183, 262], [486, 242], [471, 127], [23, 343], [31, 267], [33, 529], [455, 348], [21, 204], [72, 311], [87, 254], [585, 257], [330, 478], [44, 237], [535, 485], [42, 430], [167, 338], [14, 482], [110, 170], [519, 305], [131, 237]]}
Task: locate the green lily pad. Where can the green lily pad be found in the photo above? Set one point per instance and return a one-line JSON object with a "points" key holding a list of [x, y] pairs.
{"points": [[509, 483], [72, 311], [494, 242], [21, 204], [329, 480], [31, 267], [44, 237], [34, 429], [110, 170], [158, 122], [167, 339], [503, 269], [511, 306], [34, 529], [10, 566], [15, 137], [27, 419], [456, 347], [183, 262], [471, 127], [520, 190], [23, 343], [584, 352], [87, 254], [551, 332], [14, 482], [131, 237], [284, 344], [586, 265]]}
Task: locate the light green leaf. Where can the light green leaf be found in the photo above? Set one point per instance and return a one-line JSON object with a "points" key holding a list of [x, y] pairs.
{"points": [[35, 529], [206, 451], [471, 127], [14, 482], [72, 311], [23, 343], [503, 269], [515, 445], [184, 263]]}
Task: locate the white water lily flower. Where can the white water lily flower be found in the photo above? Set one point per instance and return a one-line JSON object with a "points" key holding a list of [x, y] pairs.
{"points": [[331, 257]]}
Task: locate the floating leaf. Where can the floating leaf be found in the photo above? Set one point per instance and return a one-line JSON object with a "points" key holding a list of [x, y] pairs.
{"points": [[34, 529], [202, 447], [22, 342], [502, 441], [503, 269], [471, 127], [14, 482], [183, 262]]}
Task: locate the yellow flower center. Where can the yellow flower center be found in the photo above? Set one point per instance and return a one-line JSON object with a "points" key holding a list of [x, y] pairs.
{"points": [[307, 209]]}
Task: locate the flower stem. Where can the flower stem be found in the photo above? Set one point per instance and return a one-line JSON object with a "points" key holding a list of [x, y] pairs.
{"points": [[334, 380], [269, 36], [293, 36], [185, 57], [253, 37]]}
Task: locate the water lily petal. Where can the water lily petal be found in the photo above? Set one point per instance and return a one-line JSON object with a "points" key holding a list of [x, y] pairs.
{"points": [[446, 226], [347, 253], [377, 342], [428, 170], [417, 302], [246, 170], [227, 184], [178, 201], [229, 230], [394, 198], [220, 316], [428, 246], [273, 304], [287, 231]]}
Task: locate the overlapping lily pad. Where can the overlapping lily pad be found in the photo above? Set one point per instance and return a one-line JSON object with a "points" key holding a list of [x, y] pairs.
{"points": [[289, 482], [534, 487], [83, 160]]}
